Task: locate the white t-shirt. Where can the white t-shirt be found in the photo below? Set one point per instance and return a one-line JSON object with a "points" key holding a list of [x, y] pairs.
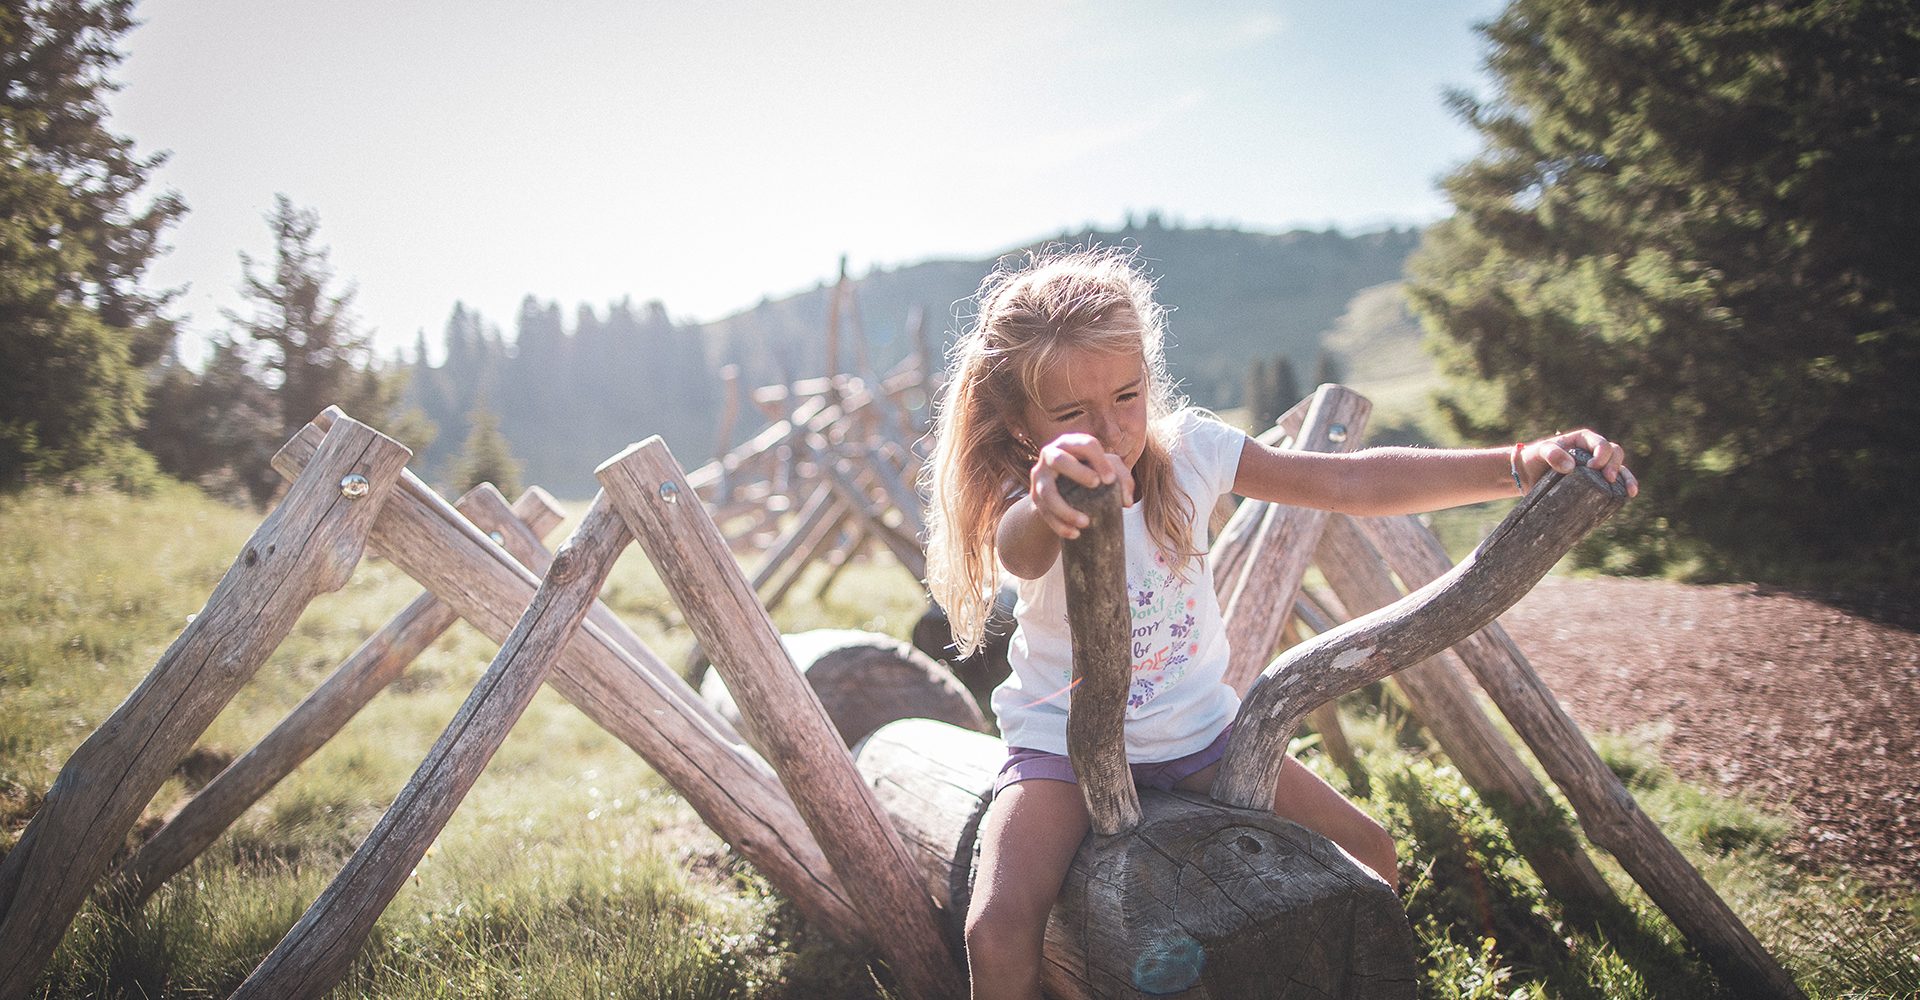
{"points": [[1178, 702]]}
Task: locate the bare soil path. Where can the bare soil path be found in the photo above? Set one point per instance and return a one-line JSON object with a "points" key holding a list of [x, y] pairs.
{"points": [[1809, 705]]}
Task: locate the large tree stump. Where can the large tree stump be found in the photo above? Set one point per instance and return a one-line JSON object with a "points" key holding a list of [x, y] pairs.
{"points": [[865, 680], [1199, 900]]}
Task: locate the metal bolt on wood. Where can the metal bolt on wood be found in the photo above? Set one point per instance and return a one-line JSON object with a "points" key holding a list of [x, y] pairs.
{"points": [[353, 486], [669, 492]]}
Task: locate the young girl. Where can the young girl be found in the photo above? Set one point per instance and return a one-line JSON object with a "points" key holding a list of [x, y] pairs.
{"points": [[1063, 376]]}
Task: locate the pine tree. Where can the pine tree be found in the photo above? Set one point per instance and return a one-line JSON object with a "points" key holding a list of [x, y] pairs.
{"points": [[217, 428], [1696, 227], [315, 353], [74, 247], [486, 457]]}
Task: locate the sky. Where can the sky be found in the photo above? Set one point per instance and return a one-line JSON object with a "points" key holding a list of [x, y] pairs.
{"points": [[711, 154]]}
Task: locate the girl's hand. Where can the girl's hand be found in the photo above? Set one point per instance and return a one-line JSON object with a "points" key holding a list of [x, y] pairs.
{"points": [[1083, 459], [1609, 459]]}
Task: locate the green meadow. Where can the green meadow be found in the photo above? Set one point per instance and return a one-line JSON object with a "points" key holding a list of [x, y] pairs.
{"points": [[571, 870]]}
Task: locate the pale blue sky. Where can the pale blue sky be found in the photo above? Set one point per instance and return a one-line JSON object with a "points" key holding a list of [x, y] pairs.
{"points": [[709, 154]]}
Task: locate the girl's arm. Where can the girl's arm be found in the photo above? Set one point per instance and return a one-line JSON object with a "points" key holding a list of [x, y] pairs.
{"points": [[1031, 528], [1379, 481]]}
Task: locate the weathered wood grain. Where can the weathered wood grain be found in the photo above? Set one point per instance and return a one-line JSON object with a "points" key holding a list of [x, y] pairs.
{"points": [[1559, 512], [1281, 550], [1444, 703], [634, 696], [864, 680], [1607, 812], [1095, 568], [321, 715], [1197, 901], [317, 952], [646, 485], [308, 545]]}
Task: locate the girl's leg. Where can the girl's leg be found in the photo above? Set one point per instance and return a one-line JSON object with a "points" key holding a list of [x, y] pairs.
{"points": [[1302, 797], [1027, 841]]}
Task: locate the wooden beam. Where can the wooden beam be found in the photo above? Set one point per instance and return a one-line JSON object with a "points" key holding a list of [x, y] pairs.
{"points": [[647, 487], [1559, 512], [1606, 810], [320, 948], [322, 714], [307, 546], [637, 698], [1278, 555], [1444, 703]]}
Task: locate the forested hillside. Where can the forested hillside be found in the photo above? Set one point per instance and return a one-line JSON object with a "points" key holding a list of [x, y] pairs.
{"points": [[569, 393]]}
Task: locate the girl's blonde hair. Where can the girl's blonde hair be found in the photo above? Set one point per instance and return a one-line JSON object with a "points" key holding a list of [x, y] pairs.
{"points": [[1028, 317]]}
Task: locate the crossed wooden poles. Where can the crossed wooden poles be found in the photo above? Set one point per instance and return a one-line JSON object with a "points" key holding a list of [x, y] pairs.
{"points": [[797, 809]]}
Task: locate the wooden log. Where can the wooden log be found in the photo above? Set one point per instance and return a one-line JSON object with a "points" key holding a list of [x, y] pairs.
{"points": [[864, 680], [1278, 556], [1607, 812], [842, 554], [308, 545], [729, 415], [1445, 704], [1198, 901], [899, 496], [1325, 720], [811, 549], [637, 698], [646, 486], [1559, 512], [1095, 567], [820, 507], [761, 448], [317, 952], [377, 663], [1233, 541], [904, 547]]}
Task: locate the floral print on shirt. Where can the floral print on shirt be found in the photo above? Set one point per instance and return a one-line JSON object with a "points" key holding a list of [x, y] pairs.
{"points": [[1163, 642]]}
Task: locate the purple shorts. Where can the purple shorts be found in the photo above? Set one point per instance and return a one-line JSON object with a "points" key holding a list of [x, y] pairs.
{"points": [[1026, 764]]}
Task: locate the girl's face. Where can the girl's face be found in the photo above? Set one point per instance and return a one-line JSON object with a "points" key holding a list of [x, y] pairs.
{"points": [[1090, 392]]}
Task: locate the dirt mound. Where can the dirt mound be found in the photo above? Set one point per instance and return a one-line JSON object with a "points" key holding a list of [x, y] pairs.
{"points": [[1801, 702]]}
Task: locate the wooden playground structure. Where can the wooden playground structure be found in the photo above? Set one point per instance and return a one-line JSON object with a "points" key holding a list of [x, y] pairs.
{"points": [[1173, 894]]}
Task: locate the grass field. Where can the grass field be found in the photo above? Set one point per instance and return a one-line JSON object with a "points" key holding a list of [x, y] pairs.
{"points": [[571, 870]]}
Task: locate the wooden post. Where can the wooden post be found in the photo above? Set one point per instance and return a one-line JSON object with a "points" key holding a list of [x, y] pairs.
{"points": [[1232, 543], [833, 320], [729, 415], [1279, 554], [635, 697], [1199, 901], [317, 952], [904, 548], [811, 549], [1095, 566], [648, 489], [320, 716], [1606, 810], [1558, 513], [307, 546], [1445, 704], [791, 543], [838, 559]]}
